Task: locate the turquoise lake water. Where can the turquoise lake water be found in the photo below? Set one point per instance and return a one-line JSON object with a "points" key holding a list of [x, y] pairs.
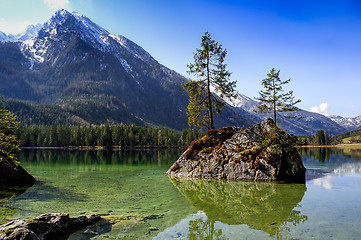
{"points": [[138, 201]]}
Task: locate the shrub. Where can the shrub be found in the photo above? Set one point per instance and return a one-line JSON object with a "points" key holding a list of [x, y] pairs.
{"points": [[273, 143], [211, 141]]}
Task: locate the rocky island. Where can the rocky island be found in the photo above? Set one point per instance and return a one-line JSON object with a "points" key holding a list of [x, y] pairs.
{"points": [[261, 152]]}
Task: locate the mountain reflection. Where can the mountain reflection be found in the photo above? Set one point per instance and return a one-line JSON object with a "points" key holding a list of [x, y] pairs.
{"points": [[268, 207], [324, 154]]}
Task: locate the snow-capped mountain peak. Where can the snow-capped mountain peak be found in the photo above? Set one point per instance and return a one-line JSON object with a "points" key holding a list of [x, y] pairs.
{"points": [[63, 21], [64, 26]]}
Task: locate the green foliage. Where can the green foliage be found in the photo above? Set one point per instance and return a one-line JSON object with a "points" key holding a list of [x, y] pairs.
{"points": [[105, 135], [210, 71], [273, 143], [279, 140], [350, 134], [200, 229], [9, 143], [212, 140], [272, 99], [321, 138], [353, 139]]}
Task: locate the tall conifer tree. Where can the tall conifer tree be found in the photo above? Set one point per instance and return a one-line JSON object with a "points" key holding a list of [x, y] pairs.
{"points": [[272, 99], [210, 71]]}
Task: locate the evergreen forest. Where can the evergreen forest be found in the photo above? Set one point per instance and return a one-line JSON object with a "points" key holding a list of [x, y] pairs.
{"points": [[106, 135]]}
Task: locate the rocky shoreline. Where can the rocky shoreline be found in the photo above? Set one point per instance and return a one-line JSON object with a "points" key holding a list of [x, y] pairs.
{"points": [[49, 226], [257, 153], [12, 174]]}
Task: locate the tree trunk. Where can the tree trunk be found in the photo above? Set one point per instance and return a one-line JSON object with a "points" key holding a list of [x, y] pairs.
{"points": [[274, 104], [211, 125]]}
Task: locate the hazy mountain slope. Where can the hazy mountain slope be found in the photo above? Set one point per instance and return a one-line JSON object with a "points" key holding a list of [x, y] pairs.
{"points": [[30, 32], [306, 123]]}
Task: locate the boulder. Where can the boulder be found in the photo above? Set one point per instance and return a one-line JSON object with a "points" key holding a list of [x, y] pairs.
{"points": [[258, 153], [46, 226], [12, 173]]}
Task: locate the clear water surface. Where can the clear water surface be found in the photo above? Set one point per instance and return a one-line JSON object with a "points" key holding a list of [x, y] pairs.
{"points": [[138, 201]]}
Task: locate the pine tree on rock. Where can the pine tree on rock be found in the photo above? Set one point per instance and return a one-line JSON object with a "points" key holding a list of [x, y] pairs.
{"points": [[272, 99], [210, 71]]}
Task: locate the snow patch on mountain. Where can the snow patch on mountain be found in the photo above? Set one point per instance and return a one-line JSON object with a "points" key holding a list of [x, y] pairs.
{"points": [[347, 122], [244, 102], [138, 51], [3, 37], [35, 50]]}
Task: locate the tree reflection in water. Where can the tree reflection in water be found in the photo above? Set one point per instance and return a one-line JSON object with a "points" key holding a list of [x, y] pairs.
{"points": [[268, 207], [324, 154], [204, 229]]}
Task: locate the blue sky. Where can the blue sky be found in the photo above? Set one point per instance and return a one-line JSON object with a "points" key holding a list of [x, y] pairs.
{"points": [[315, 43]]}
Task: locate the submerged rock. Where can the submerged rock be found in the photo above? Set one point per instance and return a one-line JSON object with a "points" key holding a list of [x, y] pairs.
{"points": [[46, 226], [12, 173], [257, 153]]}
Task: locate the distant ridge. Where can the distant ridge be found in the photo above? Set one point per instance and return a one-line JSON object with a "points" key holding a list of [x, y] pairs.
{"points": [[347, 122], [305, 123], [30, 32]]}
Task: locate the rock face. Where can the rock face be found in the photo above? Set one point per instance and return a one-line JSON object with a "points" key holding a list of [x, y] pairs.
{"points": [[46, 226], [12, 173], [257, 153]]}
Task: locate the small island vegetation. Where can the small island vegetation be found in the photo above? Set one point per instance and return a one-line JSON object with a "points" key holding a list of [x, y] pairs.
{"points": [[261, 152]]}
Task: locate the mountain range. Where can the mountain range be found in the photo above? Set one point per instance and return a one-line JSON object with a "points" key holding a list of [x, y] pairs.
{"points": [[347, 122], [70, 70]]}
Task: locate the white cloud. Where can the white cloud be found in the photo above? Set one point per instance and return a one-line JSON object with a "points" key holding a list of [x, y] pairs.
{"points": [[326, 182], [13, 27], [322, 109], [56, 4]]}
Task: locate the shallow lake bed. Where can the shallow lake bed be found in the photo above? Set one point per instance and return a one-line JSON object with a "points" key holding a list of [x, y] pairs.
{"points": [[130, 190]]}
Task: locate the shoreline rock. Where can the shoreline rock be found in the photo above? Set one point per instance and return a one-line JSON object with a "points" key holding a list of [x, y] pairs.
{"points": [[12, 174], [46, 226], [237, 154]]}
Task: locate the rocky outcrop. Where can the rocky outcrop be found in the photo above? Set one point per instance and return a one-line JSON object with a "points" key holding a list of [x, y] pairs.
{"points": [[257, 153], [46, 226], [12, 173]]}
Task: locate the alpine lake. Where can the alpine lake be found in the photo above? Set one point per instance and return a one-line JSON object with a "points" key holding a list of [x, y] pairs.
{"points": [[130, 190]]}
